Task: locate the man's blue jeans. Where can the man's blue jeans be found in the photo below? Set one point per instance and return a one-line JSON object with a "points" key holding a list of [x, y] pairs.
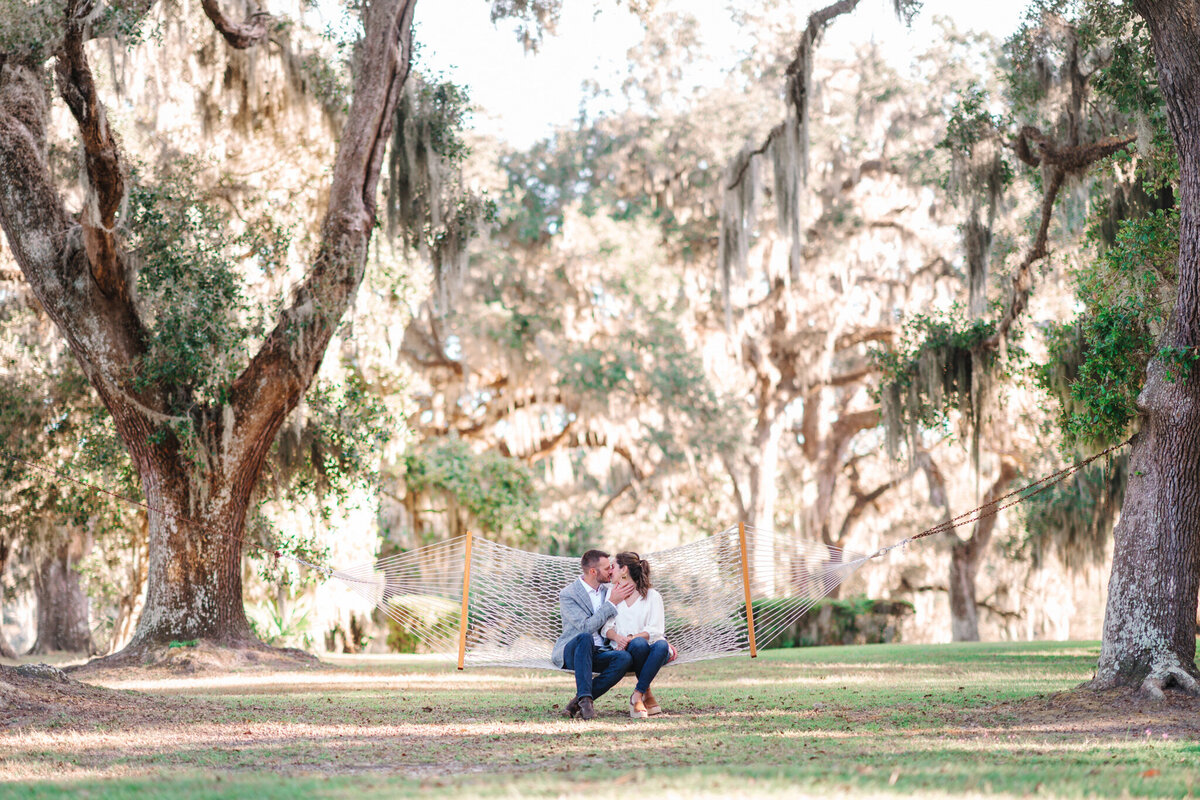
{"points": [[648, 659], [582, 656]]}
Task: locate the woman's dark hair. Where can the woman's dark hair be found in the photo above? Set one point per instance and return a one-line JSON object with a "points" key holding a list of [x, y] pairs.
{"points": [[639, 570]]}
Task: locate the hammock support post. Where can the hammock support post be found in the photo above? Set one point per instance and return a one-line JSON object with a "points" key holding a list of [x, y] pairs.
{"points": [[466, 591], [746, 589]]}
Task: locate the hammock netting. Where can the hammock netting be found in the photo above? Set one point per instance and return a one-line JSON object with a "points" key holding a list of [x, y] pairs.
{"points": [[513, 616]]}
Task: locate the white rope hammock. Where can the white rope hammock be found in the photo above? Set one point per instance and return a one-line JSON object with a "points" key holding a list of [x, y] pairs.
{"points": [[498, 606], [709, 589]]}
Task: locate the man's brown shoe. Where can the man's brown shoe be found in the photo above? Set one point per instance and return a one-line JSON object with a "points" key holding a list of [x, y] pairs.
{"points": [[586, 709]]}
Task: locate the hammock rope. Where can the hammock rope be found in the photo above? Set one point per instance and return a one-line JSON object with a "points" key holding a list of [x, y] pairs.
{"points": [[731, 592]]}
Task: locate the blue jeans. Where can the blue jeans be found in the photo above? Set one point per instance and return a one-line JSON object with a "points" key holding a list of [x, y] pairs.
{"points": [[648, 659], [582, 656]]}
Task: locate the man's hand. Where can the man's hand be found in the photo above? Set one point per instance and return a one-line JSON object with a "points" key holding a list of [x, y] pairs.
{"points": [[620, 592]]}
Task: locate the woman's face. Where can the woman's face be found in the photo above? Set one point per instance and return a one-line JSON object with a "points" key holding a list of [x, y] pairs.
{"points": [[622, 573]]}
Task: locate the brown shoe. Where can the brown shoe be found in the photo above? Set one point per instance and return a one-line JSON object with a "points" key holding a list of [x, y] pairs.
{"points": [[586, 709], [573, 708], [637, 709], [652, 707]]}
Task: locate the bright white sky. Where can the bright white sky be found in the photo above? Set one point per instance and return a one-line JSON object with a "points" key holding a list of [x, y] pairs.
{"points": [[521, 97]]}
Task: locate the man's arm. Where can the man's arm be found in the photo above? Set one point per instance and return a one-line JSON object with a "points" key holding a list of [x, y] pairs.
{"points": [[578, 618]]}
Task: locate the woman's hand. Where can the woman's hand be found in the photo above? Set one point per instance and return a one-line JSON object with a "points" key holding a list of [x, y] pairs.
{"points": [[619, 642]]}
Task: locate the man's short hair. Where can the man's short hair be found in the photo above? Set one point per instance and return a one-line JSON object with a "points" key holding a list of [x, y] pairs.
{"points": [[591, 558]]}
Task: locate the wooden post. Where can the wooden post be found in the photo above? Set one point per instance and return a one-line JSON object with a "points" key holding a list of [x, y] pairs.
{"points": [[746, 588], [462, 625]]}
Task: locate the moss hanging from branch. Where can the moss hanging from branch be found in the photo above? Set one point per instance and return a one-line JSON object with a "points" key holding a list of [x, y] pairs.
{"points": [[428, 208], [786, 147], [1075, 518], [979, 174], [938, 369], [739, 217], [788, 152]]}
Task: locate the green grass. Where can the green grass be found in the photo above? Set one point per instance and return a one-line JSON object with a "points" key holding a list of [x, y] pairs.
{"points": [[860, 721]]}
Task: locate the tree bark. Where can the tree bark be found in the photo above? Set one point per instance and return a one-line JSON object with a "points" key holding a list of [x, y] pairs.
{"points": [[63, 623], [6, 649], [194, 575], [76, 267], [1149, 638], [965, 557]]}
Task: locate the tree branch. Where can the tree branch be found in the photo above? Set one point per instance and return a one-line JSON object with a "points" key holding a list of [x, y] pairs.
{"points": [[883, 333], [797, 75], [861, 502], [281, 371], [797, 71], [613, 498], [239, 35], [778, 129], [738, 498], [1033, 148], [102, 330], [981, 534], [102, 162]]}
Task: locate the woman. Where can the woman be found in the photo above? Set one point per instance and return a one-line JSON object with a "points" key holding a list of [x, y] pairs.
{"points": [[638, 628]]}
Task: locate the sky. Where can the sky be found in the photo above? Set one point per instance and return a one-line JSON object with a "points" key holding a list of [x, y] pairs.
{"points": [[522, 97]]}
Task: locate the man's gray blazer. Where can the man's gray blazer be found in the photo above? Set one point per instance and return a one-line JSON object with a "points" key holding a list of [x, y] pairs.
{"points": [[578, 617]]}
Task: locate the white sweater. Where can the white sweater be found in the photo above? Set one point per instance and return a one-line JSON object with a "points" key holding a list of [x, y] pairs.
{"points": [[646, 614]]}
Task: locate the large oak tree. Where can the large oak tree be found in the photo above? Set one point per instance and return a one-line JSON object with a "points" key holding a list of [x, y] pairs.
{"points": [[198, 456], [1150, 623]]}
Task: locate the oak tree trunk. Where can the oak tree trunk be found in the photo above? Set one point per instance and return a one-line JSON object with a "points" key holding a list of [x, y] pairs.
{"points": [[6, 650], [194, 576], [764, 491], [965, 557], [1149, 638], [63, 623]]}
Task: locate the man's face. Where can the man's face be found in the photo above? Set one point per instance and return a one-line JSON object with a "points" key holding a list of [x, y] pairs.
{"points": [[603, 570]]}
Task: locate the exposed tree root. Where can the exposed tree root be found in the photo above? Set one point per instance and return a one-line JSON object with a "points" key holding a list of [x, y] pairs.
{"points": [[1165, 671], [1173, 676]]}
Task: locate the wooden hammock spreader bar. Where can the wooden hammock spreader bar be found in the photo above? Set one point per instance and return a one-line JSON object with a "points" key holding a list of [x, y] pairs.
{"points": [[746, 589], [466, 599]]}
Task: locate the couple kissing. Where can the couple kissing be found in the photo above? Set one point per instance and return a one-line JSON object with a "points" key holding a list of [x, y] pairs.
{"points": [[612, 623]]}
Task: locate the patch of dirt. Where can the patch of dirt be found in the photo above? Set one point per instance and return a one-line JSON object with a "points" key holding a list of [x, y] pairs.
{"points": [[39, 693], [200, 657], [1113, 711]]}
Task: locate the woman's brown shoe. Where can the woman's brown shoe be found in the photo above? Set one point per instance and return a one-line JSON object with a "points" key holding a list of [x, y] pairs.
{"points": [[637, 709], [652, 707]]}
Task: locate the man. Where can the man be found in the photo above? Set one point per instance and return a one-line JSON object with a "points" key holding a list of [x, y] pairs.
{"points": [[586, 605]]}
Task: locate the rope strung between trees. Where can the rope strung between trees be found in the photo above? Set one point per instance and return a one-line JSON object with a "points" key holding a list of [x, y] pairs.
{"points": [[998, 505], [728, 593]]}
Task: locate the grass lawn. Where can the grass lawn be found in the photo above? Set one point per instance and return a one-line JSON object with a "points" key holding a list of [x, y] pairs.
{"points": [[886, 720]]}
